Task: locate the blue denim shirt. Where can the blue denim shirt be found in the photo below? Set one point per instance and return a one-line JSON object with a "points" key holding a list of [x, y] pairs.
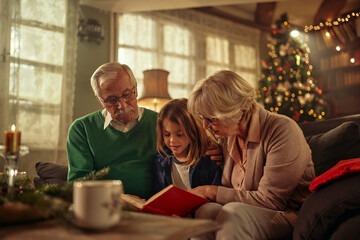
{"points": [[206, 172]]}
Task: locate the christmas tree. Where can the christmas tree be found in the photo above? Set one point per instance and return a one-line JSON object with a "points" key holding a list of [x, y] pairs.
{"points": [[287, 84]]}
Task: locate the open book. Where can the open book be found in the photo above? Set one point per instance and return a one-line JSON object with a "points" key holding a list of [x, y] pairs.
{"points": [[171, 200]]}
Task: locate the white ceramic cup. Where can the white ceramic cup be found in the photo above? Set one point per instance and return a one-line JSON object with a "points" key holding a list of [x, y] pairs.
{"points": [[97, 203]]}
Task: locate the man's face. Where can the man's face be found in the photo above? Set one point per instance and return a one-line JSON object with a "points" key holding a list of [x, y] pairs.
{"points": [[123, 109]]}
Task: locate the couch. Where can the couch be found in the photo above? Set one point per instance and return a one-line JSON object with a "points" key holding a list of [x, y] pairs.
{"points": [[332, 211]]}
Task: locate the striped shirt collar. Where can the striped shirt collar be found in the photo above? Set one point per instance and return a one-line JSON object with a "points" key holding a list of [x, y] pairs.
{"points": [[119, 125]]}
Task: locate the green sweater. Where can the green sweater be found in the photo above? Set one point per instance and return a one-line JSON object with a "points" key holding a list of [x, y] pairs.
{"points": [[129, 155]]}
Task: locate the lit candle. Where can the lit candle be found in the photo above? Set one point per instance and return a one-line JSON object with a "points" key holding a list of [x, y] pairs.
{"points": [[12, 140]]}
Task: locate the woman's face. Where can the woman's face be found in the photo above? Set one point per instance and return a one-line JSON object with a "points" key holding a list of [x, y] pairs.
{"points": [[175, 139], [218, 128]]}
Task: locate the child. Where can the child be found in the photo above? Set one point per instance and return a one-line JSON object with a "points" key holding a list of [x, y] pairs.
{"points": [[181, 144]]}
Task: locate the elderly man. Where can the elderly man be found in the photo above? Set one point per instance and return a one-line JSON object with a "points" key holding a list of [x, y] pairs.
{"points": [[121, 136]]}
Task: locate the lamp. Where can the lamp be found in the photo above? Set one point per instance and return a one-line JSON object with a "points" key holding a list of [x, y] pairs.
{"points": [[155, 93]]}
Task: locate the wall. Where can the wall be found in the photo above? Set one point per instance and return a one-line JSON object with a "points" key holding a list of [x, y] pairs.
{"points": [[90, 56]]}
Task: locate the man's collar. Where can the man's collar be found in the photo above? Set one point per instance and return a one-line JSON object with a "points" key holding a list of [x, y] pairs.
{"points": [[108, 117]]}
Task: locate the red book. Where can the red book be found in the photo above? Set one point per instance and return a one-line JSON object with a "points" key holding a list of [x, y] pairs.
{"points": [[170, 201]]}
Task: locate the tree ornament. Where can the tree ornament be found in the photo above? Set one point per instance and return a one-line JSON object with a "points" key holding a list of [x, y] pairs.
{"points": [[287, 76], [296, 116]]}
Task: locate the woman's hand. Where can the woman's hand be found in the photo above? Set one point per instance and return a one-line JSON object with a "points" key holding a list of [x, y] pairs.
{"points": [[207, 191]]}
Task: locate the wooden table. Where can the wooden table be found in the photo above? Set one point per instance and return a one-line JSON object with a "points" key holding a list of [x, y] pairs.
{"points": [[132, 226]]}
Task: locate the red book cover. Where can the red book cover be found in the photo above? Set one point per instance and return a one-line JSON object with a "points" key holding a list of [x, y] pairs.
{"points": [[171, 200]]}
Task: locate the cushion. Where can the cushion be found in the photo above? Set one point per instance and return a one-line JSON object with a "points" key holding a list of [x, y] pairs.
{"points": [[327, 208], [349, 229], [340, 143], [51, 172], [341, 169]]}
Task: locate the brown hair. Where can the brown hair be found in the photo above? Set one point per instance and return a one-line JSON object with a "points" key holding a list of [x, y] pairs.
{"points": [[176, 111]]}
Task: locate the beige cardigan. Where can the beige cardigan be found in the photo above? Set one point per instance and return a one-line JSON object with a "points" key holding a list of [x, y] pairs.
{"points": [[278, 166]]}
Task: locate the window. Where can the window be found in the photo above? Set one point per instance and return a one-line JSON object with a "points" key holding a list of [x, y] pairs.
{"points": [[189, 45], [38, 66]]}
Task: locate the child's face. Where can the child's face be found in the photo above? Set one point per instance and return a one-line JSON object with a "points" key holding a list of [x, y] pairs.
{"points": [[175, 139]]}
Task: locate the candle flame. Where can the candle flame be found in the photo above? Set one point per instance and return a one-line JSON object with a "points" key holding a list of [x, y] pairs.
{"points": [[13, 127]]}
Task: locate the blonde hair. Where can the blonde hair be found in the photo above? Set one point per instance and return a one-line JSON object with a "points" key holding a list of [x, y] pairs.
{"points": [[176, 111], [109, 71], [223, 95]]}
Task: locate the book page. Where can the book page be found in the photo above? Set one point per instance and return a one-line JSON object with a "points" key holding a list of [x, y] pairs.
{"points": [[133, 200]]}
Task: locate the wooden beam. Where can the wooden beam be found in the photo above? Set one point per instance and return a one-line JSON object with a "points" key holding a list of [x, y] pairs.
{"points": [[264, 13], [329, 10], [224, 15]]}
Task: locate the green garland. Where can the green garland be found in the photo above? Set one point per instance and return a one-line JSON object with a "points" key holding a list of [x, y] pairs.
{"points": [[51, 200]]}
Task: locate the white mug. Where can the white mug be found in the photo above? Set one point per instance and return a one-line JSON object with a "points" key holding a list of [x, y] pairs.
{"points": [[97, 203]]}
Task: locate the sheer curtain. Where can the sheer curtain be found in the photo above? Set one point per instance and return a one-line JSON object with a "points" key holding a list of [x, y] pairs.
{"points": [[38, 39], [188, 44]]}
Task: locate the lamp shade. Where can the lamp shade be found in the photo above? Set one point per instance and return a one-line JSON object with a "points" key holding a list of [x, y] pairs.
{"points": [[155, 93]]}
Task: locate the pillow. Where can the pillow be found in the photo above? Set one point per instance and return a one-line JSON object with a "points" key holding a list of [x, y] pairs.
{"points": [[341, 169], [327, 208], [51, 172], [340, 143]]}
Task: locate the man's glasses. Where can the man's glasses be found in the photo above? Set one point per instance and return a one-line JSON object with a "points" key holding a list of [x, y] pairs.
{"points": [[127, 96]]}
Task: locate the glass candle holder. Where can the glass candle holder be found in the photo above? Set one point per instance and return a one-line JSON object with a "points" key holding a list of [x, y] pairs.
{"points": [[11, 163]]}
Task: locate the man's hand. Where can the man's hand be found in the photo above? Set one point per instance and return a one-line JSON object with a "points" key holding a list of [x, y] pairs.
{"points": [[215, 153], [207, 191]]}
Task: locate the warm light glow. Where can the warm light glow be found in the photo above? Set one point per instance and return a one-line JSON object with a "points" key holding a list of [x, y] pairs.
{"points": [[352, 60], [294, 33], [13, 128], [338, 48], [327, 34], [329, 22]]}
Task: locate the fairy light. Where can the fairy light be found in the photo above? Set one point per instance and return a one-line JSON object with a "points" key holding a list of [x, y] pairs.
{"points": [[338, 48], [336, 22]]}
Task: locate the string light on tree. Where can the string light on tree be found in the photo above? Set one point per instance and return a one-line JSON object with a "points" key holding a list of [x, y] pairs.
{"points": [[287, 86]]}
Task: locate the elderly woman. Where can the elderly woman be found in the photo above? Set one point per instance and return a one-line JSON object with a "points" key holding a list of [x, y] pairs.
{"points": [[267, 161]]}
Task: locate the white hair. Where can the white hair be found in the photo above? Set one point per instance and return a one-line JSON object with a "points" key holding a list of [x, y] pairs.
{"points": [[109, 71]]}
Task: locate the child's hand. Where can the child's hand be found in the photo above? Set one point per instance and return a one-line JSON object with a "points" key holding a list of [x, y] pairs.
{"points": [[215, 153]]}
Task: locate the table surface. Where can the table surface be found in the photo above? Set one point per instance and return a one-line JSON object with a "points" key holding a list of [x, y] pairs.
{"points": [[132, 226]]}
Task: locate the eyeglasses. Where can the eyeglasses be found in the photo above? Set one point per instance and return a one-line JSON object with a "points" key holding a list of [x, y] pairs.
{"points": [[209, 120], [127, 96]]}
